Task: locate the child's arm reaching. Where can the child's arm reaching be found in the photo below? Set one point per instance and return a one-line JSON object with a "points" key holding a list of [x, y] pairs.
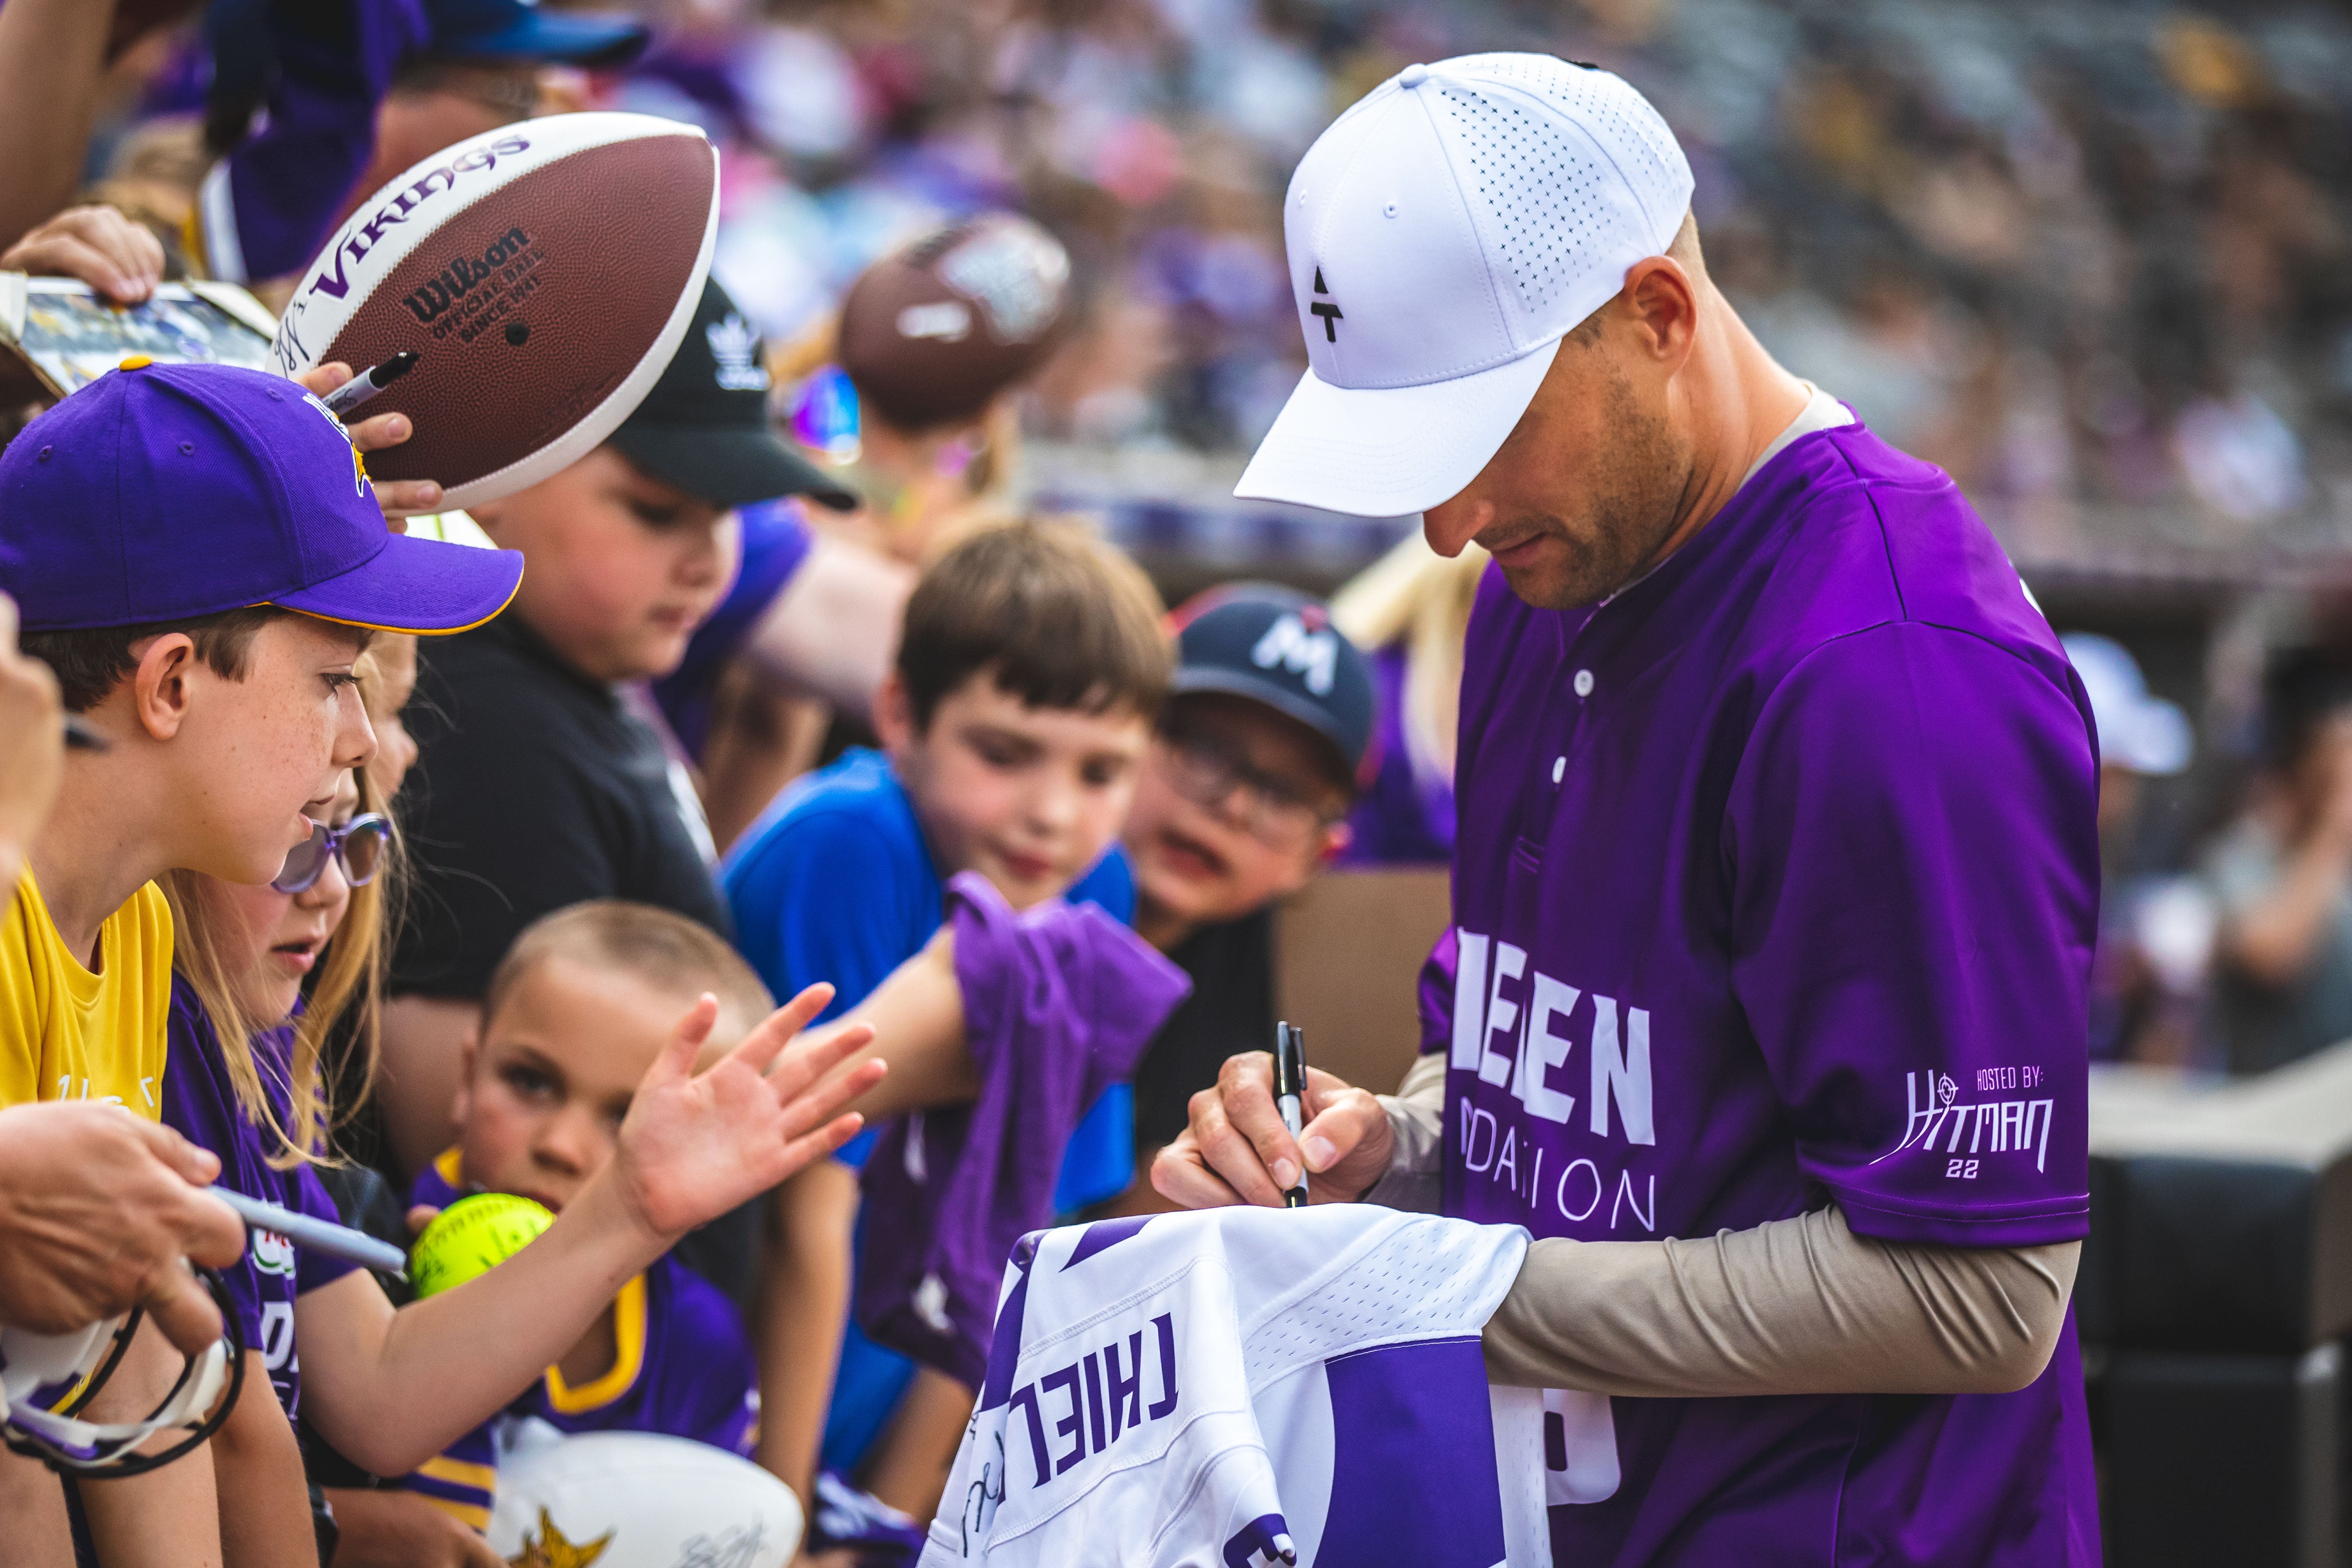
{"points": [[917, 1020], [391, 1389]]}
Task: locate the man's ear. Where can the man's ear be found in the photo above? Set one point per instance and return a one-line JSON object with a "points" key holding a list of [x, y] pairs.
{"points": [[894, 715], [159, 684], [1661, 300], [1336, 839]]}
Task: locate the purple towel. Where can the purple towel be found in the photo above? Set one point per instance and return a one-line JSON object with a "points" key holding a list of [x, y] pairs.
{"points": [[1059, 1003]]}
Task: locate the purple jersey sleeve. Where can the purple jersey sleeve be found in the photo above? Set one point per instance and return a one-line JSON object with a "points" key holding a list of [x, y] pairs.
{"points": [[1910, 839], [1059, 1003], [270, 204]]}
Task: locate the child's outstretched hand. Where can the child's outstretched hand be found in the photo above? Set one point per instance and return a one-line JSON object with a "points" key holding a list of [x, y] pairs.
{"points": [[695, 1145]]}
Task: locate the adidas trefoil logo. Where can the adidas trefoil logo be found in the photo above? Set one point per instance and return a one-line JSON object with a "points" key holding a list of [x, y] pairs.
{"points": [[736, 347]]}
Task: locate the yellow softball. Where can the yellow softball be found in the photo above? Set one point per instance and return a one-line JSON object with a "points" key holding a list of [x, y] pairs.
{"points": [[473, 1235]]}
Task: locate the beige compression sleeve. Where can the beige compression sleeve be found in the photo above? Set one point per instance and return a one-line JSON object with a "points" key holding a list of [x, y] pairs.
{"points": [[1795, 1306]]}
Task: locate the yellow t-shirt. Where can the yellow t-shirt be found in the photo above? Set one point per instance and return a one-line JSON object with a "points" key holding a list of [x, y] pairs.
{"points": [[67, 1034]]}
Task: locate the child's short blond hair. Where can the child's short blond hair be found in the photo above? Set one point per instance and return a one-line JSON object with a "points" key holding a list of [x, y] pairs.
{"points": [[658, 946]]}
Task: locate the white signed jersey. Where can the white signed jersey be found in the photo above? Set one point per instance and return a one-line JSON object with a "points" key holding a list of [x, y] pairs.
{"points": [[1247, 1387]]}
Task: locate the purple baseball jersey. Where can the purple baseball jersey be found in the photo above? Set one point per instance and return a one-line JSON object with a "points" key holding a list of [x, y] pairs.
{"points": [[1777, 886], [200, 1104], [1059, 1003], [682, 1368]]}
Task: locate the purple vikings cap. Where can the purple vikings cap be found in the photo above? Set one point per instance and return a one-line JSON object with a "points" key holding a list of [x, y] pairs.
{"points": [[162, 492]]}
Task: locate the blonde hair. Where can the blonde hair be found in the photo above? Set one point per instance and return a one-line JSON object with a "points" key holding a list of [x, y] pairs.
{"points": [[1414, 597], [661, 947], [349, 980]]}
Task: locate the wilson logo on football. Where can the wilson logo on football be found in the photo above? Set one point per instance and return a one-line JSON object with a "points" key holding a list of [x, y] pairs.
{"points": [[459, 278]]}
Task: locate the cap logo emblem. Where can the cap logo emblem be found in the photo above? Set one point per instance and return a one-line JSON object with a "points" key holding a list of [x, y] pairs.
{"points": [[361, 483], [1327, 309], [736, 347], [1312, 656]]}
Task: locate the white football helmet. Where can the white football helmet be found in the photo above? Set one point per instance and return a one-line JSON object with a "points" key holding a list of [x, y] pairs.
{"points": [[45, 1379]]}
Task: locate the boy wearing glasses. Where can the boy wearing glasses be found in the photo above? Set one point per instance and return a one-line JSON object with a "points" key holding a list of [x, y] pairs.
{"points": [[1243, 797]]}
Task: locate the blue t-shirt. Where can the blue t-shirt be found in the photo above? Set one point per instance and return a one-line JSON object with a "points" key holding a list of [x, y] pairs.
{"points": [[836, 883], [851, 827]]}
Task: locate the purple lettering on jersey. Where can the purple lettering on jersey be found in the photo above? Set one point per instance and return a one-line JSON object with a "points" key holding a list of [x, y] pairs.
{"points": [[1095, 1402], [1126, 1393], [1264, 1542], [1165, 1405], [1027, 1399], [1074, 1422]]}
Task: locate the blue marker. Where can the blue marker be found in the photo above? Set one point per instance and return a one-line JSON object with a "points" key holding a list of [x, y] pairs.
{"points": [[336, 1241]]}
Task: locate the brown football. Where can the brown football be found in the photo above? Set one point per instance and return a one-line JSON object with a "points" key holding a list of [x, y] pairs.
{"points": [[543, 273]]}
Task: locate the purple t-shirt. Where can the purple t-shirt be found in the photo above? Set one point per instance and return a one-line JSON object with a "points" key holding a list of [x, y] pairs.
{"points": [[1059, 1003], [200, 1104], [682, 1368], [1777, 887]]}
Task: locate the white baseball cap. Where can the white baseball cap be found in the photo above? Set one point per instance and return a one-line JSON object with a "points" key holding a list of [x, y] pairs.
{"points": [[1444, 234], [2137, 730]]}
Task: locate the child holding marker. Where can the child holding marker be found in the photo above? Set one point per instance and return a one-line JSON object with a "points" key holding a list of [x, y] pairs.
{"points": [[572, 1038], [204, 611], [241, 957]]}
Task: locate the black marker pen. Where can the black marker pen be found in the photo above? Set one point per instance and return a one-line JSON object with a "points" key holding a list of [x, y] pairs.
{"points": [[1290, 1097], [368, 383]]}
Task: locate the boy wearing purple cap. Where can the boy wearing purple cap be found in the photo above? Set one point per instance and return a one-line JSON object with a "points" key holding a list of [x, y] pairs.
{"points": [[1777, 876], [197, 553]]}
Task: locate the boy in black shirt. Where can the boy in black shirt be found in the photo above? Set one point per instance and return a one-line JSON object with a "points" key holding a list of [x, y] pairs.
{"points": [[537, 786]]}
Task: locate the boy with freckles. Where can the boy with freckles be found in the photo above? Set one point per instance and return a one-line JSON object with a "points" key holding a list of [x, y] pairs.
{"points": [[198, 554]]}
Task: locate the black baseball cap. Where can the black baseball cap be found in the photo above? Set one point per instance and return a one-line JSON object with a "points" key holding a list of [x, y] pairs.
{"points": [[1277, 646], [704, 426]]}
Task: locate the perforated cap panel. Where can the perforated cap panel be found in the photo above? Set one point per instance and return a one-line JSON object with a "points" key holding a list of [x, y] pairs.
{"points": [[1546, 180]]}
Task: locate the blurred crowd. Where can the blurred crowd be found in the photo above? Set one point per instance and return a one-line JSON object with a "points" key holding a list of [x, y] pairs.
{"points": [[2090, 258], [2084, 256]]}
